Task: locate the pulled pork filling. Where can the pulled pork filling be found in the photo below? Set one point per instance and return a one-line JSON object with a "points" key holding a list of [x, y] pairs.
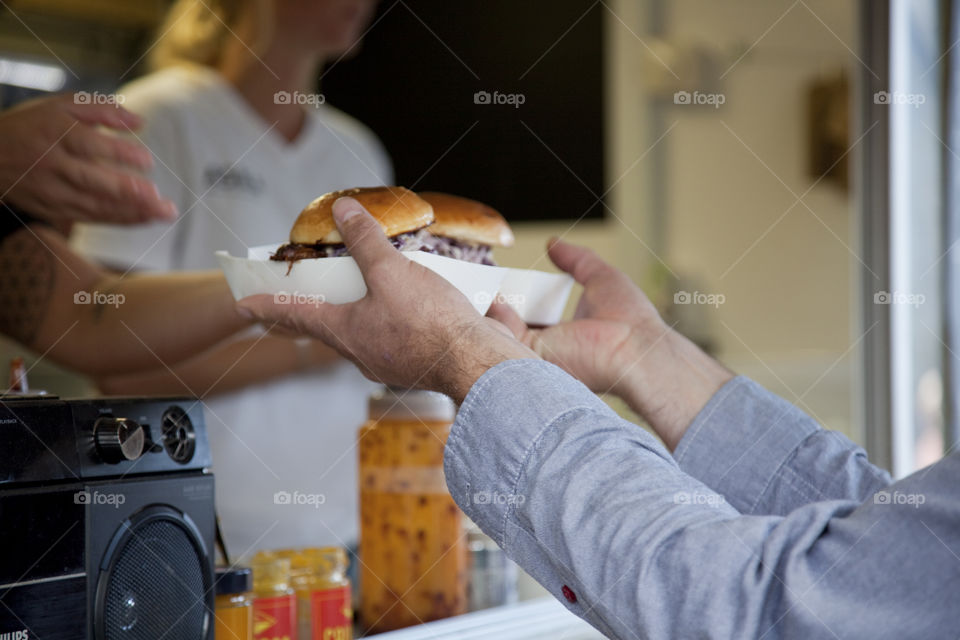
{"points": [[420, 240]]}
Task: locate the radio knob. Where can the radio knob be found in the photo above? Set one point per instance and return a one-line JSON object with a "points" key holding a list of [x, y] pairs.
{"points": [[118, 439]]}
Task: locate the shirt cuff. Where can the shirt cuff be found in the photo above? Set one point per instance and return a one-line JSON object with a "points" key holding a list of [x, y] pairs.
{"points": [[496, 430], [739, 441]]}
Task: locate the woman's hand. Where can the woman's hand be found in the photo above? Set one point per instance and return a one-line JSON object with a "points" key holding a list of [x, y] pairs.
{"points": [[60, 165]]}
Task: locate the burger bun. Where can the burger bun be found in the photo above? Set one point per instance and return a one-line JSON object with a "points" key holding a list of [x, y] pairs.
{"points": [[397, 209]]}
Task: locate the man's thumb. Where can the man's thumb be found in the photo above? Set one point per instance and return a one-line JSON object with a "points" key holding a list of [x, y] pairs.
{"points": [[362, 234]]}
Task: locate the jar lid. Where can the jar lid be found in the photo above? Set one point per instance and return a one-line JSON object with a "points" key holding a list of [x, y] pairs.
{"points": [[264, 565], [270, 573], [324, 559], [410, 404], [281, 563], [232, 580]]}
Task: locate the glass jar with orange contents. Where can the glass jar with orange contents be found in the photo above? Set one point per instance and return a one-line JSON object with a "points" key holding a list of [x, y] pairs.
{"points": [[275, 601], [234, 604], [324, 608], [412, 544]]}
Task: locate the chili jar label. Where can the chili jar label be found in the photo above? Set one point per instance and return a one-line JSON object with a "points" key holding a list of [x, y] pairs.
{"points": [[275, 618], [332, 614]]}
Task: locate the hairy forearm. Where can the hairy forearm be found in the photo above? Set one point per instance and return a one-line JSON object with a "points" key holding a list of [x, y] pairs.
{"points": [[475, 348], [669, 382], [225, 368]]}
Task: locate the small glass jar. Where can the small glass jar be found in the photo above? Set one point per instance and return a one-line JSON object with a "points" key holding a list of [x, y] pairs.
{"points": [[275, 601], [234, 604], [493, 576], [415, 561], [319, 577]]}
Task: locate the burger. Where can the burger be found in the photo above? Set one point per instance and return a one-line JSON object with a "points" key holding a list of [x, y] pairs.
{"points": [[402, 214], [438, 223], [466, 229]]}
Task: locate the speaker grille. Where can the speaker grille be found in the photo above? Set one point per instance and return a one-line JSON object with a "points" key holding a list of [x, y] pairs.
{"points": [[156, 588]]}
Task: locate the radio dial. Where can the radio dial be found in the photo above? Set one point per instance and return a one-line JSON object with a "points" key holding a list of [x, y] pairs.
{"points": [[118, 439]]}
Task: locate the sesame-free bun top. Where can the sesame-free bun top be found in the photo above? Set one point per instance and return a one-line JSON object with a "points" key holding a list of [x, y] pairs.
{"points": [[397, 209], [467, 220]]}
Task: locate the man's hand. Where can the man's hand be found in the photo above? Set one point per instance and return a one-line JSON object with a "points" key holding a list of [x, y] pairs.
{"points": [[412, 329], [58, 165], [613, 317], [617, 343]]}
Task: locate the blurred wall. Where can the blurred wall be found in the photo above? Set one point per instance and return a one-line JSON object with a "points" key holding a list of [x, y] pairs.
{"points": [[716, 197], [787, 270]]}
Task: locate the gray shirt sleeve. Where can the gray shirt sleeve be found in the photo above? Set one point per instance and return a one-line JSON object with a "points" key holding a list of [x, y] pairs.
{"points": [[602, 515], [767, 457]]}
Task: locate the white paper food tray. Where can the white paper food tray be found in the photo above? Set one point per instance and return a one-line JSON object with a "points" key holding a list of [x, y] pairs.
{"points": [[538, 297]]}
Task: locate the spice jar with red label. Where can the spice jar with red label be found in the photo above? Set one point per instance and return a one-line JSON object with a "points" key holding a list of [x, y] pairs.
{"points": [[275, 601], [412, 543], [324, 605]]}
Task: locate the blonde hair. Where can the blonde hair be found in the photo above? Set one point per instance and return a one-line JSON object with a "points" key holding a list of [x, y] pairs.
{"points": [[196, 31]]}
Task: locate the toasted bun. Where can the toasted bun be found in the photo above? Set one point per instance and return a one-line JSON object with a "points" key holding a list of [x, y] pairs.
{"points": [[397, 209], [467, 220]]}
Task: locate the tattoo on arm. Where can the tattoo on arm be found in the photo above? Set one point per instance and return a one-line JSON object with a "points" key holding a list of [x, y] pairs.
{"points": [[27, 275]]}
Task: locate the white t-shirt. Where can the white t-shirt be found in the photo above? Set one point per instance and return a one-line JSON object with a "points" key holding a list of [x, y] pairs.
{"points": [[239, 184]]}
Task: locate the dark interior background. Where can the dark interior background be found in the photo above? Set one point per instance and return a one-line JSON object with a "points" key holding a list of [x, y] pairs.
{"points": [[414, 82]]}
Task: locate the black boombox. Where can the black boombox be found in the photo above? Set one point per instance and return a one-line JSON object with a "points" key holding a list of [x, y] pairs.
{"points": [[106, 520]]}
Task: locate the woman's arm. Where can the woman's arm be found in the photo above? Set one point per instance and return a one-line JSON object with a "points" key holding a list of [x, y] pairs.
{"points": [[227, 367], [82, 317]]}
